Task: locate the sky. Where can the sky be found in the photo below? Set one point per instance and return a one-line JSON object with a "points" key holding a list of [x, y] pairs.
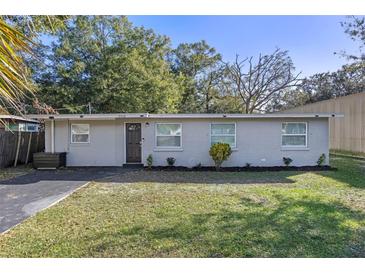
{"points": [[310, 40]]}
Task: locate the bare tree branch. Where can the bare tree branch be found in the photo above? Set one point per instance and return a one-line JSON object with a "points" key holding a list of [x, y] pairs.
{"points": [[257, 83]]}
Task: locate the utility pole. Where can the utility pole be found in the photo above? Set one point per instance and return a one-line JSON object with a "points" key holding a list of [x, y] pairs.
{"points": [[89, 104]]}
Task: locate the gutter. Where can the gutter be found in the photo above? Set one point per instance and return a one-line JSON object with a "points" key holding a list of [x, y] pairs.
{"points": [[114, 116]]}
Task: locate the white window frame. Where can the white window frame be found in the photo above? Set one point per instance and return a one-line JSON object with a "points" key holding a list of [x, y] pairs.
{"points": [[165, 135], [31, 124], [286, 134], [230, 135], [77, 124]]}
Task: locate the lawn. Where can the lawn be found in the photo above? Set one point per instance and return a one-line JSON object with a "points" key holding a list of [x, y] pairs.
{"points": [[11, 172], [207, 214]]}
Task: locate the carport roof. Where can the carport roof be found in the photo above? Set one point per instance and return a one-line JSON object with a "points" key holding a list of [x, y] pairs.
{"points": [[17, 118]]}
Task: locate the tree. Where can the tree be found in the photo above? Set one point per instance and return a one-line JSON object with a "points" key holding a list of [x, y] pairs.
{"points": [[32, 26], [322, 86], [110, 63], [355, 28], [209, 87], [199, 64], [347, 80], [226, 103], [15, 82], [258, 83], [13, 72], [288, 99]]}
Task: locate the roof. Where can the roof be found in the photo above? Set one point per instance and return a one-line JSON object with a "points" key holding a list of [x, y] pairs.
{"points": [[113, 116], [17, 118]]}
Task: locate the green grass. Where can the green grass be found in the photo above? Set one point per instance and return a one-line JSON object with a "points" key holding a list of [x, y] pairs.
{"points": [[11, 172], [348, 153], [255, 214]]}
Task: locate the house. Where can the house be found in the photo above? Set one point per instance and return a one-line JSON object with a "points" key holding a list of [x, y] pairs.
{"points": [[17, 123], [122, 138], [346, 134]]}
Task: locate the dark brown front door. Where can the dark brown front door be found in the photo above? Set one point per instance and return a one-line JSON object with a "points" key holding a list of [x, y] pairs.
{"points": [[133, 142]]}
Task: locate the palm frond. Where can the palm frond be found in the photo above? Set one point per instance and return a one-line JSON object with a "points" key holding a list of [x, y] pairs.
{"points": [[13, 72]]}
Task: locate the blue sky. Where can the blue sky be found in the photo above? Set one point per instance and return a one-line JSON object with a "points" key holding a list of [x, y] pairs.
{"points": [[311, 40]]}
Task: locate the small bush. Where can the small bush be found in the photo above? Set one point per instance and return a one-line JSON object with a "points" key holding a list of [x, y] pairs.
{"points": [[170, 161], [150, 161], [321, 159], [219, 153], [198, 165], [287, 161]]}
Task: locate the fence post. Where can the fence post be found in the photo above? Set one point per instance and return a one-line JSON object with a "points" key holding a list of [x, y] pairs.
{"points": [[28, 150], [17, 148]]}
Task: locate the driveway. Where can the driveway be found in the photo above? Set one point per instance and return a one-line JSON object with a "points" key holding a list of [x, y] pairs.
{"points": [[23, 196]]}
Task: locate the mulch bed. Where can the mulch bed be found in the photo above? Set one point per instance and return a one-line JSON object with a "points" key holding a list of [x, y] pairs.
{"points": [[240, 169]]}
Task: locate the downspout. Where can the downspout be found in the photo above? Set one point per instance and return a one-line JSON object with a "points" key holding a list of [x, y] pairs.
{"points": [[52, 135]]}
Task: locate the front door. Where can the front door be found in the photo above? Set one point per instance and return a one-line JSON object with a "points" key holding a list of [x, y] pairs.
{"points": [[133, 142]]}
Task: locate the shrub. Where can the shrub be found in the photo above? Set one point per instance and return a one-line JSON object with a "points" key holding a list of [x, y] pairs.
{"points": [[198, 165], [170, 161], [219, 153], [149, 161], [287, 161], [321, 159]]}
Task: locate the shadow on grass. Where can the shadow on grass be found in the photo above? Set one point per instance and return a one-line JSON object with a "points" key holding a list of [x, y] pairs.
{"points": [[200, 177], [292, 228], [349, 171], [122, 175]]}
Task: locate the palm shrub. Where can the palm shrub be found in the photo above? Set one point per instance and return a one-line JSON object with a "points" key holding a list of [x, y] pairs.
{"points": [[149, 161], [170, 161], [287, 161], [219, 153], [321, 159]]}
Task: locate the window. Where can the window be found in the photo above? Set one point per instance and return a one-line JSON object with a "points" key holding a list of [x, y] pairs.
{"points": [[13, 127], [223, 133], [294, 134], [32, 128], [80, 133], [168, 135], [22, 127], [26, 127]]}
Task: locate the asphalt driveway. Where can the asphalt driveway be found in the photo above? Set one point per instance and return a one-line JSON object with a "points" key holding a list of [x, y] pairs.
{"points": [[23, 196]]}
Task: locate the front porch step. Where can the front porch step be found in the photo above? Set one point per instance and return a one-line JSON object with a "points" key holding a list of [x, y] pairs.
{"points": [[137, 166]]}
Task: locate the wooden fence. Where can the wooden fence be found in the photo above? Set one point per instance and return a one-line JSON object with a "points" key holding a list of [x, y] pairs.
{"points": [[18, 147], [348, 133]]}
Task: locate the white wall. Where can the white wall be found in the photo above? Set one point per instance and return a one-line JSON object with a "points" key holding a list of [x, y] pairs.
{"points": [[258, 143], [105, 147]]}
